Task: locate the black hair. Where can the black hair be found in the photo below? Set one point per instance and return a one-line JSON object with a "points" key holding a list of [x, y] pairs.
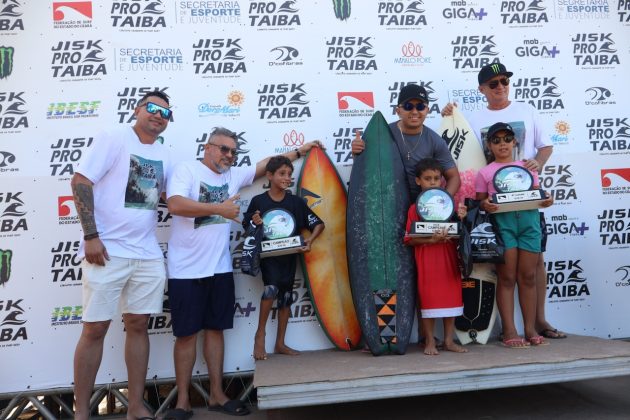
{"points": [[427, 164], [156, 93], [276, 162]]}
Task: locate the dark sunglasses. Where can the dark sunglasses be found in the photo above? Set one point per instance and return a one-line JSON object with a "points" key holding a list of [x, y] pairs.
{"points": [[155, 108], [225, 150], [408, 106], [493, 84], [506, 139]]}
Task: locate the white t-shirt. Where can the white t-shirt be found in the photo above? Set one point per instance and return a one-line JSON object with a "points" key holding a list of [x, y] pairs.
{"points": [[200, 246], [524, 120], [128, 178]]}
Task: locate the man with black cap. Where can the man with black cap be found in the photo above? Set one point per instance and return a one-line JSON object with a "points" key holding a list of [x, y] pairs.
{"points": [[415, 140], [533, 148]]}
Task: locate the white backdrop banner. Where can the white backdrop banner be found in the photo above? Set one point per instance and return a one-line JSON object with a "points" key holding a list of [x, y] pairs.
{"points": [[280, 73]]}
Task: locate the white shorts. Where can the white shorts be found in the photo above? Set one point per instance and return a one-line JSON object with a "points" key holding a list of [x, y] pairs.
{"points": [[138, 285]]}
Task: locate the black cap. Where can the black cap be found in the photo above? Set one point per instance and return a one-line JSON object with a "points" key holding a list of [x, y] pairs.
{"points": [[489, 71], [411, 91], [496, 127]]}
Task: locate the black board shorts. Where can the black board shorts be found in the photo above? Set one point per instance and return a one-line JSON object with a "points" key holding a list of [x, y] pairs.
{"points": [[202, 304]]}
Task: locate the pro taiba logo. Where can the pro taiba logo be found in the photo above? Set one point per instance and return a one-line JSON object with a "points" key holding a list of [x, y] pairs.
{"points": [[12, 219], [557, 180], [540, 92], [272, 15], [614, 228], [283, 102], [10, 13], [78, 60], [609, 136], [343, 139], [65, 267], [471, 52], [65, 154], [350, 55], [566, 281], [12, 329], [615, 181], [13, 116], [137, 15], [594, 50], [523, 13], [398, 15], [219, 57]]}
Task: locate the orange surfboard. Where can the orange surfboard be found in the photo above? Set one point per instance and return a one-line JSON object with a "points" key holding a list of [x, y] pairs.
{"points": [[325, 266]]}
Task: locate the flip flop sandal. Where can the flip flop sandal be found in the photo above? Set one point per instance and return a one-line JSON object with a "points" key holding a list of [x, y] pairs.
{"points": [[552, 334], [537, 340], [516, 343], [178, 414], [232, 408]]}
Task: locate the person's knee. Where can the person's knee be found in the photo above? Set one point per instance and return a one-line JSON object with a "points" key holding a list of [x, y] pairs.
{"points": [[527, 279], [95, 331], [136, 324], [270, 292]]}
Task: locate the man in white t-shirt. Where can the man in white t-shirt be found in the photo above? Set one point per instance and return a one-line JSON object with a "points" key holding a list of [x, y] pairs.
{"points": [[533, 148], [116, 190], [202, 199]]}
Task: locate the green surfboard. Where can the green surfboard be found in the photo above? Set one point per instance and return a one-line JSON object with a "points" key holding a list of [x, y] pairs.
{"points": [[382, 270]]}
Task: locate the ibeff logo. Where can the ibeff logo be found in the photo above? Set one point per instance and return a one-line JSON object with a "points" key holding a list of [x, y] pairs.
{"points": [[6, 61]]}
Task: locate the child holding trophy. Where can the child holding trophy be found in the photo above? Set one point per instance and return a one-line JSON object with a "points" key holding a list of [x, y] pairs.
{"points": [[519, 226], [282, 215], [430, 230]]}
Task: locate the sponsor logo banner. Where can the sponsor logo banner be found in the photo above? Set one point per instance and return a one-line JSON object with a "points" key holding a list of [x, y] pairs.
{"points": [[65, 266], [540, 92], [232, 108], [558, 181], [13, 221], [283, 103], [13, 115], [208, 12], [523, 14], [343, 137], [65, 154], [70, 110], [13, 330], [595, 51], [471, 52], [274, 15], [599, 95], [566, 281], [10, 20], [72, 15], [609, 136], [350, 55], [136, 16], [355, 104], [219, 58], [614, 228], [615, 181], [399, 15], [581, 10], [149, 60], [78, 61]]}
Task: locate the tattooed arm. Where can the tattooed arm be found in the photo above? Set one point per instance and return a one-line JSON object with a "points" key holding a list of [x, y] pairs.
{"points": [[95, 252]]}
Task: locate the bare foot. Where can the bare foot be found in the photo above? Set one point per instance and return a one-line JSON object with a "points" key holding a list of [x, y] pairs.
{"points": [[259, 347], [284, 349], [430, 348], [451, 346]]}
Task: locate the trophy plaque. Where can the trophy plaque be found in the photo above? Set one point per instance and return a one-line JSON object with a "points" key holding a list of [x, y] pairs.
{"points": [[435, 207], [514, 190], [278, 229]]}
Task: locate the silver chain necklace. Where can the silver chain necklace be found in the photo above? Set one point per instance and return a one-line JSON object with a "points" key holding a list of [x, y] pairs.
{"points": [[409, 152]]}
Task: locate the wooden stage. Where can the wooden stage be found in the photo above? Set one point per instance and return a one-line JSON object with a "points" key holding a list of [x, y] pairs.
{"points": [[331, 376]]}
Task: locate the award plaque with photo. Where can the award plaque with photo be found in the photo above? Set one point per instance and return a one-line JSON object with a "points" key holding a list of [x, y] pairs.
{"points": [[514, 185], [278, 233], [435, 207]]}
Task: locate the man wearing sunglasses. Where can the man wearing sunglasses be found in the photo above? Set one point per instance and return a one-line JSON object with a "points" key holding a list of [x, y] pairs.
{"points": [[415, 140], [533, 147], [203, 199], [116, 191]]}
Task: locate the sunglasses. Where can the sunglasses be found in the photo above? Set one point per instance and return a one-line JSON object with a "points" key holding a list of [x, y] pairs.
{"points": [[493, 84], [225, 150], [506, 139], [155, 108], [408, 106]]}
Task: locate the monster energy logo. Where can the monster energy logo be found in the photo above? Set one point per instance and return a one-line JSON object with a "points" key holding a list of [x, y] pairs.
{"points": [[5, 265], [342, 9], [6, 61], [495, 68]]}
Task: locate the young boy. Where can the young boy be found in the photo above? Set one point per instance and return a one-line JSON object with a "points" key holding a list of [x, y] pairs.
{"points": [[278, 273], [439, 279]]}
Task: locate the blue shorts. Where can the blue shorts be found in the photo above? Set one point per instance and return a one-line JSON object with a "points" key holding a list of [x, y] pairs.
{"points": [[202, 304], [520, 229]]}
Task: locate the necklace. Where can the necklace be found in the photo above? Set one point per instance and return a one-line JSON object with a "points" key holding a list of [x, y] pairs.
{"points": [[409, 152]]}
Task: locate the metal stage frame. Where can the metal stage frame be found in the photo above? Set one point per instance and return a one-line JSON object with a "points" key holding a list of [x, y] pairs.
{"points": [[34, 401]]}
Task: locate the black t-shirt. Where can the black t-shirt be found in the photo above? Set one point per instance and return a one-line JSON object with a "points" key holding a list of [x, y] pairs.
{"points": [[282, 267]]}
